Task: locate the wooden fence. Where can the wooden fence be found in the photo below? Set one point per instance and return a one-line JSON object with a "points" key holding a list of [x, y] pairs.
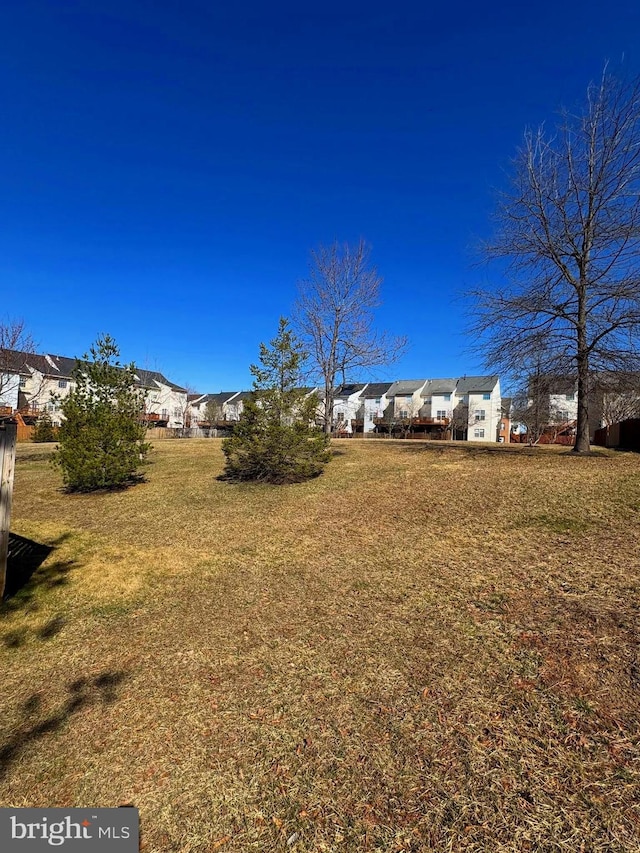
{"points": [[7, 464], [25, 432], [625, 434]]}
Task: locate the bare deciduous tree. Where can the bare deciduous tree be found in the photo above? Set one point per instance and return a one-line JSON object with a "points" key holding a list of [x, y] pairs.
{"points": [[616, 397], [334, 317], [15, 345], [569, 232]]}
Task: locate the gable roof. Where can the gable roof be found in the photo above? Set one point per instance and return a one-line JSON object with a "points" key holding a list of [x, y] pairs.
{"points": [[146, 378], [14, 361], [349, 388], [439, 386], [58, 365], [476, 384], [217, 399], [376, 389], [405, 386]]}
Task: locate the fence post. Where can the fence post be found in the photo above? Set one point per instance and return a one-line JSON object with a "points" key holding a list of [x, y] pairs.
{"points": [[7, 464]]}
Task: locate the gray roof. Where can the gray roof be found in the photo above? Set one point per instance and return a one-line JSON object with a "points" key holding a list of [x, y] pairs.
{"points": [[59, 365], [348, 389], [242, 395], [439, 386], [216, 399], [13, 361], [476, 384], [405, 386], [376, 389], [62, 367], [148, 377]]}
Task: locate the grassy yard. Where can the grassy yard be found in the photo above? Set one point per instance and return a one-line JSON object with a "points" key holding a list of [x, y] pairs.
{"points": [[426, 648]]}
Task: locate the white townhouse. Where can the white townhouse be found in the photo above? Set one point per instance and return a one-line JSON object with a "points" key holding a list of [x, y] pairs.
{"points": [[14, 374], [163, 398], [374, 402], [46, 379], [405, 397], [204, 404], [439, 399], [49, 381], [479, 398], [346, 404], [563, 401]]}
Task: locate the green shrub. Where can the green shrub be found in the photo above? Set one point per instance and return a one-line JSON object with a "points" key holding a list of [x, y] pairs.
{"points": [[101, 440], [44, 429], [276, 440]]}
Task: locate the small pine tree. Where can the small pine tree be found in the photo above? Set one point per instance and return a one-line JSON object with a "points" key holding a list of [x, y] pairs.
{"points": [[101, 439], [276, 440], [44, 429]]}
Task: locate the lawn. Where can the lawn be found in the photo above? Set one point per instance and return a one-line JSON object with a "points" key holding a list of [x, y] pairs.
{"points": [[427, 648]]}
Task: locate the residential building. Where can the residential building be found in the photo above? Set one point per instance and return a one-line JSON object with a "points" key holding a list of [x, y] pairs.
{"points": [[207, 404], [346, 406], [374, 401], [478, 411], [439, 399], [44, 380]]}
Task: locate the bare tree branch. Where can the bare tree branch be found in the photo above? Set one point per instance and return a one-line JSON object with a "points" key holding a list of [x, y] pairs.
{"points": [[334, 316], [568, 238]]}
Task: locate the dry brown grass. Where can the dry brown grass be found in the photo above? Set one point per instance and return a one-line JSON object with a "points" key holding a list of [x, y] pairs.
{"points": [[427, 648]]}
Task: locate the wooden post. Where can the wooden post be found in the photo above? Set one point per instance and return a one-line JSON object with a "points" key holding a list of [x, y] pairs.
{"points": [[7, 464]]}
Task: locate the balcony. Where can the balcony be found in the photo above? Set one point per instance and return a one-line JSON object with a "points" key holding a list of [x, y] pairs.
{"points": [[413, 422]]}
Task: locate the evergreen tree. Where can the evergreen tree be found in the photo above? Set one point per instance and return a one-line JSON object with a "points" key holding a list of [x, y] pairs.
{"points": [[276, 440], [44, 429], [101, 439]]}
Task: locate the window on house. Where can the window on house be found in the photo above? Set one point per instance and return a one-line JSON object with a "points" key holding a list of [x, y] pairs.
{"points": [[404, 413], [478, 433], [564, 416], [481, 415], [340, 417], [486, 395], [570, 397], [165, 414], [177, 414], [22, 382], [62, 383], [377, 401], [441, 413], [446, 397]]}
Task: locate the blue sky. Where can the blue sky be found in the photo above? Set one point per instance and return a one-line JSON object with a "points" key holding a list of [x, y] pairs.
{"points": [[167, 167]]}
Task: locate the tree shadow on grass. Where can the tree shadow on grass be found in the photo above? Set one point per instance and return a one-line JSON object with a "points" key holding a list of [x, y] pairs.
{"points": [[416, 446], [24, 572], [81, 693], [25, 577]]}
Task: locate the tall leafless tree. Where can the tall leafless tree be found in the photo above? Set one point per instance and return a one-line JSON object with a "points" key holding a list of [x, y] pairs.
{"points": [[568, 236], [15, 345], [334, 317]]}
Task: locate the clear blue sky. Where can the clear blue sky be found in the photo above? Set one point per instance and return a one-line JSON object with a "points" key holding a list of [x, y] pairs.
{"points": [[167, 167]]}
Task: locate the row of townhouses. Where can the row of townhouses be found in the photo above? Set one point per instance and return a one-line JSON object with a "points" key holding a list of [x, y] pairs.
{"points": [[31, 384], [467, 408]]}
